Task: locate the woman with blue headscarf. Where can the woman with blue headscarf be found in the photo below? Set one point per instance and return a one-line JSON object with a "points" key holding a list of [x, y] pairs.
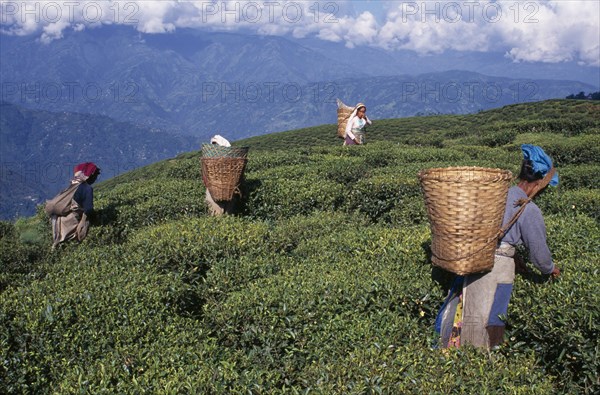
{"points": [[474, 310]]}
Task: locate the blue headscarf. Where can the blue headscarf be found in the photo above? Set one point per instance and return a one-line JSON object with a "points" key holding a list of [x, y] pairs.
{"points": [[540, 161]]}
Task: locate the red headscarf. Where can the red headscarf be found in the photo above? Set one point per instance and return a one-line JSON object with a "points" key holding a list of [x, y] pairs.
{"points": [[87, 168], [83, 171]]}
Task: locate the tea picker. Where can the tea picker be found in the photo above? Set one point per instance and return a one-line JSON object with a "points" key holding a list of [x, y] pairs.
{"points": [[70, 210], [466, 207], [352, 122], [222, 173]]}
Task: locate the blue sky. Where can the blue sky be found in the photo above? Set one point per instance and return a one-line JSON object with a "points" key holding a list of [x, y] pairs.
{"points": [[375, 7], [549, 31]]}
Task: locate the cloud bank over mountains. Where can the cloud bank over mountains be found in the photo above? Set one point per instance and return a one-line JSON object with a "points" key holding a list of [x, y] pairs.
{"points": [[527, 31]]}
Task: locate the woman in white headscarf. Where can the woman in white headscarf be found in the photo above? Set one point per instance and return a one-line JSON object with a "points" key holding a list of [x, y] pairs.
{"points": [[218, 208], [356, 126], [220, 140]]}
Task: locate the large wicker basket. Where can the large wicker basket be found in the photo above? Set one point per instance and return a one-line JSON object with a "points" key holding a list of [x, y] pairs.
{"points": [[219, 151], [343, 113], [223, 169], [465, 206]]}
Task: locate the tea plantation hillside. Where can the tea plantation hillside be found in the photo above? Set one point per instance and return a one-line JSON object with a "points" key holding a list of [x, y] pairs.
{"points": [[320, 283]]}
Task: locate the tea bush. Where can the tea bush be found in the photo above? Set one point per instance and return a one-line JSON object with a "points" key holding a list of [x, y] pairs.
{"points": [[184, 166], [277, 198], [566, 127], [378, 196], [575, 150], [498, 139], [193, 245], [23, 246], [65, 318], [579, 176], [269, 160], [558, 319], [321, 283], [571, 202], [136, 204]]}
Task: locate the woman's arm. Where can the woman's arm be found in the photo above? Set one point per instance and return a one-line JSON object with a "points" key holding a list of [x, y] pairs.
{"points": [[533, 233], [351, 135], [84, 196], [349, 126]]}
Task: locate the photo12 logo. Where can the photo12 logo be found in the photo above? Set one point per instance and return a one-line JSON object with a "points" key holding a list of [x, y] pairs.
{"points": [[25, 12], [35, 172], [68, 92], [129, 12], [468, 92], [469, 11], [268, 11], [49, 172], [268, 92]]}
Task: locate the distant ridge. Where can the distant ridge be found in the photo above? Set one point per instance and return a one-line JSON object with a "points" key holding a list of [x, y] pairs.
{"points": [[38, 150], [201, 83]]}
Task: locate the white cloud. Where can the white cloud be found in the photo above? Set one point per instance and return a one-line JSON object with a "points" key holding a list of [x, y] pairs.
{"points": [[363, 31], [545, 31], [559, 31], [53, 31], [151, 16], [542, 30]]}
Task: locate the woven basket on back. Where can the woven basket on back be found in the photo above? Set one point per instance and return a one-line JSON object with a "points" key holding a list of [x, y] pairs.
{"points": [[222, 169], [343, 113], [465, 206], [219, 151]]}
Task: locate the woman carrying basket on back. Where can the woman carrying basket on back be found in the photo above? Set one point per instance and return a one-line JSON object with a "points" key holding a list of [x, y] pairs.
{"points": [[473, 311], [356, 126], [73, 223], [221, 207]]}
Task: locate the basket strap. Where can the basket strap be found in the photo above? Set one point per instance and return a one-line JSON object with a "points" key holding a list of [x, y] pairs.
{"points": [[523, 202]]}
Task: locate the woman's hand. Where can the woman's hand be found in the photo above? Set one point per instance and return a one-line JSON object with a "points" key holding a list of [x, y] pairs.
{"points": [[555, 272]]}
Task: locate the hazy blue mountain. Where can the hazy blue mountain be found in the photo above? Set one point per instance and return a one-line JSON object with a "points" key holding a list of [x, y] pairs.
{"points": [[378, 62], [38, 150], [238, 85], [149, 78]]}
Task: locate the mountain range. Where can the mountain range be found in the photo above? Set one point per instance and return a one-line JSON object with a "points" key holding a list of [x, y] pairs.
{"points": [[201, 83], [39, 150], [126, 99]]}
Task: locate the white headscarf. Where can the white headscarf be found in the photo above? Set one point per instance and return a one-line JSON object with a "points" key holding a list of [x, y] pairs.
{"points": [[350, 122], [216, 139]]}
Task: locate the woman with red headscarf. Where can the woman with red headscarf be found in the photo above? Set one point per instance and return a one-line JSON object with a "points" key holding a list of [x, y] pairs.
{"points": [[75, 224]]}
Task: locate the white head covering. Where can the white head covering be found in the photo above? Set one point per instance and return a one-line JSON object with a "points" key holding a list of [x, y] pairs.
{"points": [[216, 139], [350, 121]]}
